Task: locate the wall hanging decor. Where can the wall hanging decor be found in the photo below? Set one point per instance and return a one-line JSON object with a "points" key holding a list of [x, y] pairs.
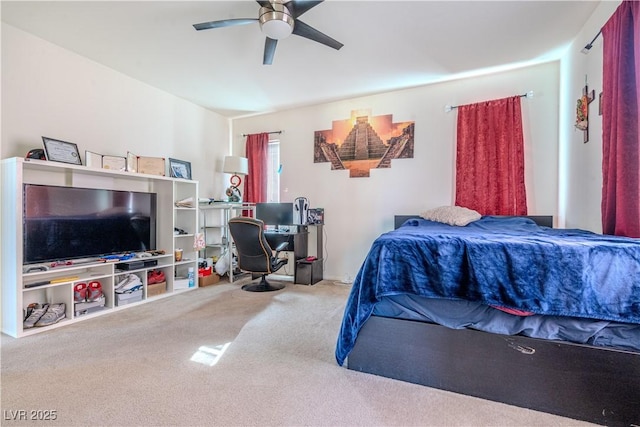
{"points": [[363, 142], [582, 111]]}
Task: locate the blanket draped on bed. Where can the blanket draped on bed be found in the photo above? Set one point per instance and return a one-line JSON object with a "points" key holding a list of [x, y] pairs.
{"points": [[509, 262]]}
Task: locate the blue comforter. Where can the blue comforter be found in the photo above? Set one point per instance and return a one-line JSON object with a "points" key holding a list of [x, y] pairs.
{"points": [[509, 262]]}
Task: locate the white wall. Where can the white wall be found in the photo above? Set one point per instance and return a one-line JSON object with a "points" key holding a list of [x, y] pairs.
{"points": [[50, 91], [581, 163], [357, 210]]}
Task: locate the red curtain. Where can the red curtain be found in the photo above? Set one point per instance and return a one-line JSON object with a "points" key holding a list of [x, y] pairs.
{"points": [[620, 116], [490, 158], [255, 184]]}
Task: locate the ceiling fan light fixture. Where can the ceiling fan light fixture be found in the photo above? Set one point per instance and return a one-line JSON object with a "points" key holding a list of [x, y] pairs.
{"points": [[276, 22]]}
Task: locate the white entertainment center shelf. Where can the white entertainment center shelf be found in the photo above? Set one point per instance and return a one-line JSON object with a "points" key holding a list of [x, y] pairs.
{"points": [[23, 286]]}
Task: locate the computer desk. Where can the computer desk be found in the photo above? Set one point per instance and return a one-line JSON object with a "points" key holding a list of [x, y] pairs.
{"points": [[297, 238], [306, 272]]}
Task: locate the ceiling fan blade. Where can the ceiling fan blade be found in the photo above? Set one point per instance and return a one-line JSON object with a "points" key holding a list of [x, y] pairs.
{"points": [[264, 3], [269, 51], [224, 23], [303, 30], [298, 7]]}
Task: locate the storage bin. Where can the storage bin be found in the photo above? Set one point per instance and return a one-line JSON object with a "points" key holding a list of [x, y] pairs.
{"points": [[180, 283], [156, 289], [123, 299], [209, 280]]}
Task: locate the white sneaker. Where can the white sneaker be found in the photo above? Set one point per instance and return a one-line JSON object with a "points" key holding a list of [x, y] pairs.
{"points": [[34, 316], [55, 313], [128, 284]]}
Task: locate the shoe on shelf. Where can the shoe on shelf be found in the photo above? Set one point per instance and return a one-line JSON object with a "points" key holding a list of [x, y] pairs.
{"points": [[151, 277], [94, 291], [131, 289], [37, 311], [126, 280], [155, 276], [54, 313], [80, 292], [160, 277], [130, 283], [30, 309]]}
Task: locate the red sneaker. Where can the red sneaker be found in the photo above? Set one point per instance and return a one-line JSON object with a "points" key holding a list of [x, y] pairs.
{"points": [[151, 277], [94, 291], [155, 276], [80, 292], [160, 277]]}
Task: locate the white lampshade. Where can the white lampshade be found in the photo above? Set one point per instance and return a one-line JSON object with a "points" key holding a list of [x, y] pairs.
{"points": [[235, 165]]}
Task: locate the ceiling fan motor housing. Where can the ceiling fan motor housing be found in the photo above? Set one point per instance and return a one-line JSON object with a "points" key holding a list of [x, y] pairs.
{"points": [[276, 21]]}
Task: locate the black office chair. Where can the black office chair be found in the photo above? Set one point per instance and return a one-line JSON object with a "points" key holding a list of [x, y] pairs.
{"points": [[254, 253]]}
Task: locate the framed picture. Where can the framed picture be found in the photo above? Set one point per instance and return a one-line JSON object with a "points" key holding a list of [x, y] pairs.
{"points": [[95, 160], [116, 163], [179, 169], [92, 160], [151, 165], [61, 151]]}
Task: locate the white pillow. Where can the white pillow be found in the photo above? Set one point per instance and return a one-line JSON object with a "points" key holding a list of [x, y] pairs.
{"points": [[452, 215]]}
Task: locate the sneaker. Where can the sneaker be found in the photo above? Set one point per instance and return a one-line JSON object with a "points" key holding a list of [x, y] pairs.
{"points": [[80, 292], [30, 309], [151, 277], [55, 313], [160, 277], [130, 283], [126, 281], [132, 290], [94, 291], [35, 316], [155, 276]]}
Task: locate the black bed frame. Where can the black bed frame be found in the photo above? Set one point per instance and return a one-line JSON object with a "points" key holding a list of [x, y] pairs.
{"points": [[582, 382]]}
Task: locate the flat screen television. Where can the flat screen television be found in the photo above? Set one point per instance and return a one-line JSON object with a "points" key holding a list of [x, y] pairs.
{"points": [[66, 223], [275, 213]]}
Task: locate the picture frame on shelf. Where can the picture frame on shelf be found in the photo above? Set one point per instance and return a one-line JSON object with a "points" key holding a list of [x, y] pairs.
{"points": [[95, 160], [315, 216], [116, 163], [151, 165], [61, 151], [92, 160], [179, 169]]}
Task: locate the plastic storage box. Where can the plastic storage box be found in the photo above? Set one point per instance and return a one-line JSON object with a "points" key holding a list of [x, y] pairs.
{"points": [[123, 299]]}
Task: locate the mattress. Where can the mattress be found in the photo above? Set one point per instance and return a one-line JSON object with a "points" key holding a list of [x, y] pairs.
{"points": [[457, 314]]}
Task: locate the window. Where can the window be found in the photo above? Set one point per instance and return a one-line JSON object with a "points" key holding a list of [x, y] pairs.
{"points": [[273, 172]]}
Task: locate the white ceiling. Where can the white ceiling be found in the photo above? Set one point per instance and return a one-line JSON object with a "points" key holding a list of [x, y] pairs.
{"points": [[387, 45]]}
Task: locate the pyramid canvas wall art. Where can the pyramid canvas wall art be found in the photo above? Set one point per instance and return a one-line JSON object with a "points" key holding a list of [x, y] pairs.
{"points": [[363, 142]]}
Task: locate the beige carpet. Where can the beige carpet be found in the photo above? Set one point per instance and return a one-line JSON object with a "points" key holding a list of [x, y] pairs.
{"points": [[135, 367]]}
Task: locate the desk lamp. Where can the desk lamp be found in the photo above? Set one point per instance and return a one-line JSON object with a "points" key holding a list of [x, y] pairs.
{"points": [[236, 166]]}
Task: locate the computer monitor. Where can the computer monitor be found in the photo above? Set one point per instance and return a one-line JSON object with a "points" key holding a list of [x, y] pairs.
{"points": [[275, 213]]}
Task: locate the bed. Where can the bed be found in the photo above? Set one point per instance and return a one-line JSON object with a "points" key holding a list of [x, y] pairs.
{"points": [[418, 303]]}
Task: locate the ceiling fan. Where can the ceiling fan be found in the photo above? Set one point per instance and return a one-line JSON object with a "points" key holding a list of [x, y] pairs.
{"points": [[278, 19]]}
